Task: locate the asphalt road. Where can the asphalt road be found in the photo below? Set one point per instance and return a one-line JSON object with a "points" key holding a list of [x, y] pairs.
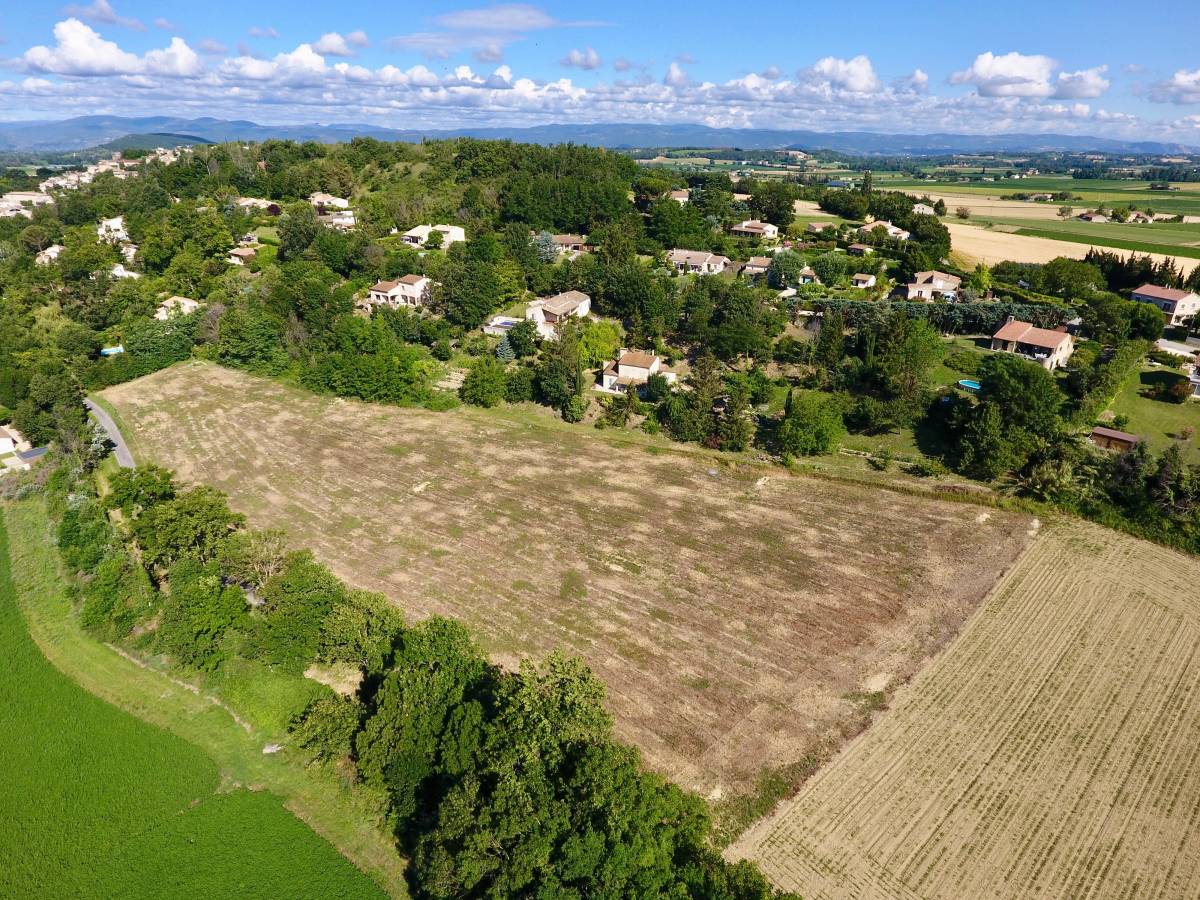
{"points": [[124, 457]]}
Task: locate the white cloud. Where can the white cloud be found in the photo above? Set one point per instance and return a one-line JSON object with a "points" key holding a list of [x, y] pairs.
{"points": [[915, 82], [506, 17], [485, 31], [1182, 87], [211, 47], [178, 60], [582, 59], [1082, 85], [165, 24], [492, 52], [101, 12], [334, 44], [256, 31], [80, 51], [1011, 75], [856, 75], [676, 76]]}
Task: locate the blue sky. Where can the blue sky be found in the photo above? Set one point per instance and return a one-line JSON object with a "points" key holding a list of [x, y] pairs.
{"points": [[1072, 67]]}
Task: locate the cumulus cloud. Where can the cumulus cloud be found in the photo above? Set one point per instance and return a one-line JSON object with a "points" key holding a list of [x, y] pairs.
{"points": [[916, 82], [1182, 87], [856, 75], [1020, 75], [582, 59], [101, 12], [80, 51], [676, 76], [334, 44]]}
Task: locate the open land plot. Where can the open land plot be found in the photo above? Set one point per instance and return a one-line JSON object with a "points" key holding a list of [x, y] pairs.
{"points": [[97, 803], [1049, 752], [734, 612], [990, 245], [1159, 422]]}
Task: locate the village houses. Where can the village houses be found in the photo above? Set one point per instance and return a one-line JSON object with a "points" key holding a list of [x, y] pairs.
{"points": [[547, 313], [862, 280], [112, 230], [419, 236], [1049, 349], [756, 265], [893, 231], [239, 256], [1178, 306], [933, 285], [697, 262], [175, 306], [407, 290], [631, 369], [755, 228], [49, 255]]}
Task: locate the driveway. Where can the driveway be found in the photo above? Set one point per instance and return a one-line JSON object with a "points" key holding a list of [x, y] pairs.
{"points": [[124, 457], [1178, 347]]}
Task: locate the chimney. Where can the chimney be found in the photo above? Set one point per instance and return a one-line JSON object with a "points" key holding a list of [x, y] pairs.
{"points": [[1010, 319]]}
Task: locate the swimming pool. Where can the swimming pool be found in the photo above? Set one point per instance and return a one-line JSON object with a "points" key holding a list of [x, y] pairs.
{"points": [[969, 384]]}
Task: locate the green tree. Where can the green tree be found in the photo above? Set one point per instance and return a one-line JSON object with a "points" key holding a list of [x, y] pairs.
{"points": [[194, 523], [198, 612], [298, 228], [813, 426], [485, 382]]}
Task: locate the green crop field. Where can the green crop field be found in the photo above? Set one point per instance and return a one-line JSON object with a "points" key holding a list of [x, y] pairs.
{"points": [[97, 803], [1104, 236], [1111, 192]]}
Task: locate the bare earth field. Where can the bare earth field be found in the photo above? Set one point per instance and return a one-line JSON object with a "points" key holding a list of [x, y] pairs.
{"points": [[1050, 752], [990, 246], [733, 611]]}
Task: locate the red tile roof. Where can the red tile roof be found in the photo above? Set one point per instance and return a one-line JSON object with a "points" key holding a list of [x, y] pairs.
{"points": [[1162, 293]]}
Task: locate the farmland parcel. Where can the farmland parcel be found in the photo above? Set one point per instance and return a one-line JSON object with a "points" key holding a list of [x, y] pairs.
{"points": [[736, 614], [1050, 752]]}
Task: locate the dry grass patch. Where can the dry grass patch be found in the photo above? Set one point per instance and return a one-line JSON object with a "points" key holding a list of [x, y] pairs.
{"points": [[1050, 752], [731, 616]]}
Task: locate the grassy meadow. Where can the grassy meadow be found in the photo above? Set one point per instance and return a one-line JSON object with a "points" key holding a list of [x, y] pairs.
{"points": [[98, 803]]}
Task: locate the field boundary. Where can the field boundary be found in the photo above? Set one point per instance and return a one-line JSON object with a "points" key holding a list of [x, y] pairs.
{"points": [[346, 821]]}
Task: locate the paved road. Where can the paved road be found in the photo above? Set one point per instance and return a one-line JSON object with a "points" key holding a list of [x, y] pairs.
{"points": [[1177, 347], [124, 457]]}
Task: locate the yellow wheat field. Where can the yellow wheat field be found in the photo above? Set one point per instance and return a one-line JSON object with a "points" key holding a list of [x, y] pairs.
{"points": [[1052, 751]]}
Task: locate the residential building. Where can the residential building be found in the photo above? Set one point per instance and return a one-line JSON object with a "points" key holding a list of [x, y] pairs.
{"points": [[818, 227], [408, 290], [859, 250], [548, 312], [129, 251], [757, 265], [1093, 217], [569, 244], [112, 230], [697, 262], [323, 202], [808, 276], [267, 206], [1111, 439], [1179, 306], [631, 369], [755, 228], [49, 255], [923, 209], [175, 306], [892, 231], [1138, 217], [1049, 349], [419, 236], [681, 197], [862, 280], [119, 271], [239, 256], [341, 220], [932, 285]]}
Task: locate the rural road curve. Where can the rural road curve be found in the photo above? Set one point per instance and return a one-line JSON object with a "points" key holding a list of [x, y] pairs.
{"points": [[124, 457]]}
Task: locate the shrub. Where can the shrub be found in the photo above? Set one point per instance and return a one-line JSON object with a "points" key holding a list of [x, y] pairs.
{"points": [[326, 727], [518, 385], [485, 383], [814, 425], [965, 361]]}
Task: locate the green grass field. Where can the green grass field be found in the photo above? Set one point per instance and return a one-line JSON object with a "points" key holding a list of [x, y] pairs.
{"points": [[1159, 422], [1111, 192], [96, 803]]}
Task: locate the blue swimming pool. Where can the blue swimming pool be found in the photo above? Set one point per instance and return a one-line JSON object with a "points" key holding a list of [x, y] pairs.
{"points": [[968, 384]]}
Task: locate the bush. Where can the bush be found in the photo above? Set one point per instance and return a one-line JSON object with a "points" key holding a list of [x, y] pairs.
{"points": [[485, 383], [965, 361], [814, 425], [326, 727], [518, 385]]}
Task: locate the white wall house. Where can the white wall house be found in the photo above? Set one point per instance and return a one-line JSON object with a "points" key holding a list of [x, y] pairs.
{"points": [[892, 231], [548, 312], [321, 202], [697, 262], [862, 280], [1178, 306], [112, 230], [407, 290], [923, 209], [49, 255], [175, 306], [931, 285], [419, 236], [1049, 349], [756, 265], [631, 368], [755, 228], [239, 256]]}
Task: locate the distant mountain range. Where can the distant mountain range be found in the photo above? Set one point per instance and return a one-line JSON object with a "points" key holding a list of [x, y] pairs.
{"points": [[91, 131]]}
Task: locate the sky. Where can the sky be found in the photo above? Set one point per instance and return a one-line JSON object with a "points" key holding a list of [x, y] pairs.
{"points": [[1100, 68]]}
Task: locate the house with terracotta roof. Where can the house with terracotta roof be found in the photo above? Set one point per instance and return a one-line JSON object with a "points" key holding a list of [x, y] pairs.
{"points": [[860, 249], [547, 313], [1179, 306], [1049, 349], [818, 227], [631, 369], [175, 306], [892, 231], [755, 228], [756, 265], [419, 236], [932, 285], [862, 280], [808, 276], [239, 256], [407, 290], [697, 262], [681, 197]]}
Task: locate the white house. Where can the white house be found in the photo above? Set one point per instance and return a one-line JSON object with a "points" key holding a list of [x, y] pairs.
{"points": [[755, 228], [1093, 217], [129, 251], [631, 368], [862, 280], [818, 227], [419, 236], [1049, 349], [892, 231], [1179, 306], [681, 197], [341, 220], [175, 306], [407, 290], [49, 255], [923, 209], [8, 443], [239, 256], [572, 244], [697, 262], [808, 276], [931, 285], [112, 230], [757, 265], [119, 271], [547, 312], [321, 202]]}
